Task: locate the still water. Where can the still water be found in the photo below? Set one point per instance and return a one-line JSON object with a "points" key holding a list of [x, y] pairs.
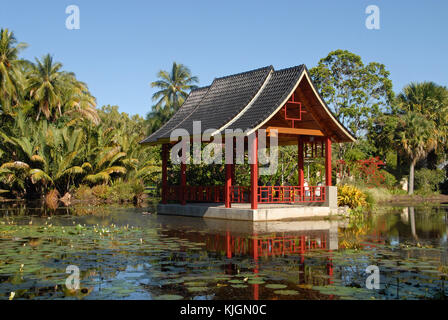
{"points": [[126, 253]]}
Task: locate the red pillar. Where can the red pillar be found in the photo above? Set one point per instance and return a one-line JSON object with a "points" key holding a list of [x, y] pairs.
{"points": [[254, 173], [233, 162], [255, 256], [328, 161], [301, 161], [183, 177], [228, 185], [228, 245], [164, 173]]}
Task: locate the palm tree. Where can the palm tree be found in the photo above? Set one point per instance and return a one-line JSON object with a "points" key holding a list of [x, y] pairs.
{"points": [[416, 135], [174, 86], [11, 79], [430, 100], [79, 103], [47, 84]]}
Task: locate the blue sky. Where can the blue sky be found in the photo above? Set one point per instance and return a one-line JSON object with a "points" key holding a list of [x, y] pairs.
{"points": [[121, 45]]}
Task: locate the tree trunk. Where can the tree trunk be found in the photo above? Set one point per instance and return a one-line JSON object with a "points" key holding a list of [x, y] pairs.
{"points": [[411, 178]]}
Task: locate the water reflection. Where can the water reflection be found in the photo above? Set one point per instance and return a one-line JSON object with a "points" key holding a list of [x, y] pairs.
{"points": [[263, 242], [125, 254]]}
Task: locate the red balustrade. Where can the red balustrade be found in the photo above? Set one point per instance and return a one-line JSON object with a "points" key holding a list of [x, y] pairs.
{"points": [[291, 194], [241, 194]]}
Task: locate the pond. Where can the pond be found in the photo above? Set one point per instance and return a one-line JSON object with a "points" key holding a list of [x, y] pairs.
{"points": [[129, 253]]}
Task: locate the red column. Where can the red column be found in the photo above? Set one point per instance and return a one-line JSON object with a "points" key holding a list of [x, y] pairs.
{"points": [[233, 162], [228, 185], [254, 174], [328, 161], [183, 177], [228, 245], [164, 172], [301, 161], [255, 256]]}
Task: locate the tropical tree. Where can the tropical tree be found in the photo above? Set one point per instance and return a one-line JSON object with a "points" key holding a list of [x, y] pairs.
{"points": [[47, 84], [11, 78], [174, 88], [431, 101], [79, 104], [416, 136], [356, 93]]}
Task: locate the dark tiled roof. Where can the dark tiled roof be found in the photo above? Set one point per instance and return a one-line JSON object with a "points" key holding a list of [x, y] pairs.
{"points": [[247, 99], [184, 111], [276, 91], [225, 99]]}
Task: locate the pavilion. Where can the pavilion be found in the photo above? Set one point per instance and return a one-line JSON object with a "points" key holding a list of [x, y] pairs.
{"points": [[285, 102]]}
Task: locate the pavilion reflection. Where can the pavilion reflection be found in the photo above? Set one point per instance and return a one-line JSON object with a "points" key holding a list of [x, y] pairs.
{"points": [[260, 241]]}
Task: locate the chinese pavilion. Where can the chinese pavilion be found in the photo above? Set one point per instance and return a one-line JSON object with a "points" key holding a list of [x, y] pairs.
{"points": [[283, 100]]}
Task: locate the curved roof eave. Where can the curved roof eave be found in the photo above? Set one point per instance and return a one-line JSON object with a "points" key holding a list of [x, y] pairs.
{"points": [[345, 132], [192, 104], [350, 136]]}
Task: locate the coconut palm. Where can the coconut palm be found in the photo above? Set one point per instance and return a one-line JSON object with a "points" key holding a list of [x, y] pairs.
{"points": [[47, 84], [416, 135], [11, 79], [174, 86]]}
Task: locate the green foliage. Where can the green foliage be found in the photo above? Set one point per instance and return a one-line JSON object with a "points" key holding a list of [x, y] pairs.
{"points": [[389, 179], [52, 137], [428, 181], [356, 92], [351, 196], [173, 88]]}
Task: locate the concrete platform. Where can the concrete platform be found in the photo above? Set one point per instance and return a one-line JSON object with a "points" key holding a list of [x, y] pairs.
{"points": [[265, 212]]}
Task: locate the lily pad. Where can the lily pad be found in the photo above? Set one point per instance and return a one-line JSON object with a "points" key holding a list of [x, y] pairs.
{"points": [[169, 297], [275, 286], [287, 292]]}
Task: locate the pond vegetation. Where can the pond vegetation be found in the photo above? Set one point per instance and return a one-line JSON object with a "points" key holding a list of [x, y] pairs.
{"points": [[125, 254]]}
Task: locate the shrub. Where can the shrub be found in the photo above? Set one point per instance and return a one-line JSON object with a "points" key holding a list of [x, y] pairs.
{"points": [[427, 181], [351, 196], [389, 179], [122, 191], [101, 191], [84, 192]]}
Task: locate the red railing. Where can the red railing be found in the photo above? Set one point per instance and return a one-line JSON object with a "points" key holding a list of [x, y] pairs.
{"points": [[291, 194], [241, 194], [196, 193]]}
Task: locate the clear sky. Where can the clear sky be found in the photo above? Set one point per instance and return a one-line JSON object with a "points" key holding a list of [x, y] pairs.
{"points": [[121, 45]]}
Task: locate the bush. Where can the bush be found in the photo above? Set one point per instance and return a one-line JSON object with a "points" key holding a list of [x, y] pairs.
{"points": [[84, 193], [428, 181], [121, 191], [351, 196], [101, 191], [389, 179]]}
